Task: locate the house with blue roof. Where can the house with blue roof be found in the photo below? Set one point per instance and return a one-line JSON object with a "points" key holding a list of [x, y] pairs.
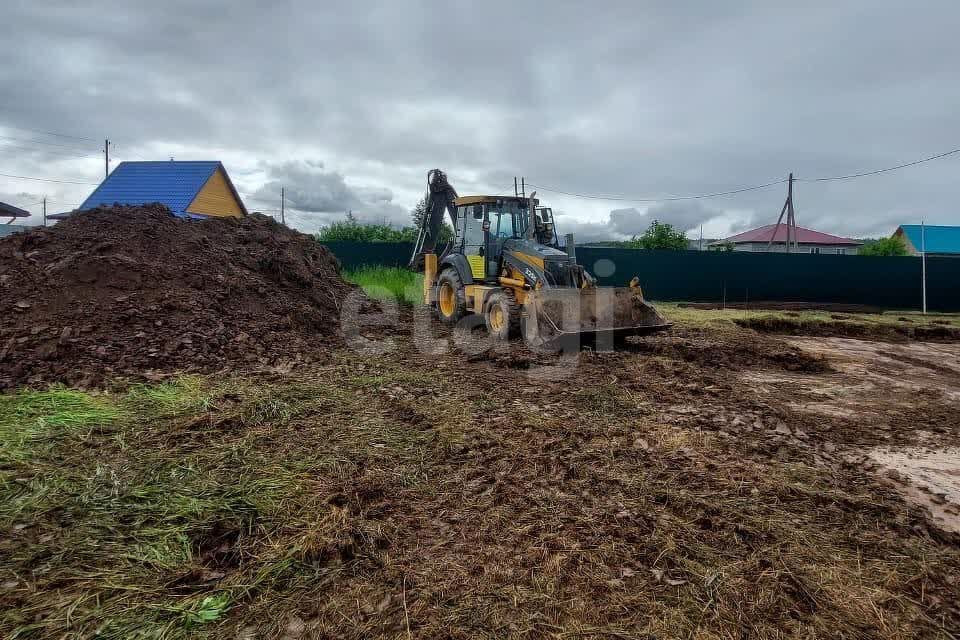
{"points": [[938, 240], [191, 189]]}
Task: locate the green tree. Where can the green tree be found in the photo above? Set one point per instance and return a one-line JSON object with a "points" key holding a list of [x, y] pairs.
{"points": [[660, 235], [419, 212], [894, 246], [351, 230]]}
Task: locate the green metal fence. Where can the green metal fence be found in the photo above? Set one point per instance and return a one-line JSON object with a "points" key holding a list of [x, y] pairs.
{"points": [[356, 254], [705, 276]]}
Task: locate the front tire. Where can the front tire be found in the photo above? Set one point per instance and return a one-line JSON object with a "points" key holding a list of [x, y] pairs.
{"points": [[451, 297], [502, 315]]}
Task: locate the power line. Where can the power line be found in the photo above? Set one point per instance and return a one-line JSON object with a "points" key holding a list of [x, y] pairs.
{"points": [[56, 153], [651, 199], [52, 133], [7, 175], [49, 144], [884, 170], [744, 189], [127, 153]]}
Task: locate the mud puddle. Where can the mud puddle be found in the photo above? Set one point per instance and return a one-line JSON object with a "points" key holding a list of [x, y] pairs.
{"points": [[928, 478]]}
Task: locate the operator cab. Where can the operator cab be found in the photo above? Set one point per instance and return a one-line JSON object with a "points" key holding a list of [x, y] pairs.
{"points": [[484, 223]]}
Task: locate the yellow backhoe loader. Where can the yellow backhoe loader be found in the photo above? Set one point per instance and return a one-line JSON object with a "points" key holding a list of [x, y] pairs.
{"points": [[504, 263]]}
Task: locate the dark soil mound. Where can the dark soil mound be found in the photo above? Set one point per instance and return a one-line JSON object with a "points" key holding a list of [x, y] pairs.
{"points": [[729, 350], [134, 290], [844, 329], [785, 306]]}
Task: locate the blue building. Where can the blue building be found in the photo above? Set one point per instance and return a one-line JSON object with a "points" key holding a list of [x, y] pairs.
{"points": [[189, 188], [938, 240]]}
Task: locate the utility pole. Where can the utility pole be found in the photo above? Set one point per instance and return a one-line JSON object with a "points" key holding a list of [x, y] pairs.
{"points": [[923, 259], [44, 210], [789, 208], [516, 192], [283, 219], [700, 245], [791, 220], [106, 158]]}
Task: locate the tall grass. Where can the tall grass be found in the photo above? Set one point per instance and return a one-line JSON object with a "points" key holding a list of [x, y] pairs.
{"points": [[148, 481], [186, 394], [388, 283], [34, 419]]}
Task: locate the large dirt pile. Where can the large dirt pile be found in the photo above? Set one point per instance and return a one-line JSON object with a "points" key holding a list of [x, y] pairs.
{"points": [[134, 290]]}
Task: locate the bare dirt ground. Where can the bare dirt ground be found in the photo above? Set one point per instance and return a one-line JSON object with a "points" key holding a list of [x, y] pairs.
{"points": [[711, 482], [882, 386]]}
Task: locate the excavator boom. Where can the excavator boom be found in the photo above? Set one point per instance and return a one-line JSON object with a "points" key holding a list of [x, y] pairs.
{"points": [[440, 198]]}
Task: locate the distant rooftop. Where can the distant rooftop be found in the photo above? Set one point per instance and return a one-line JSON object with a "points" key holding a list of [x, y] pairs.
{"points": [[10, 211], [932, 238], [804, 236]]}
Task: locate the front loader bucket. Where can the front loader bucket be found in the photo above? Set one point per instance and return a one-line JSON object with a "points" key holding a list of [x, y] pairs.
{"points": [[596, 316]]}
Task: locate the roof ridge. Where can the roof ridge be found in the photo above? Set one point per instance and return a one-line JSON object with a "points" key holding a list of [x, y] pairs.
{"points": [[171, 162], [773, 233]]}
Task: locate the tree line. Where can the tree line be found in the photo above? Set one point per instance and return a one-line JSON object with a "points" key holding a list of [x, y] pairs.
{"points": [[352, 230], [659, 235]]}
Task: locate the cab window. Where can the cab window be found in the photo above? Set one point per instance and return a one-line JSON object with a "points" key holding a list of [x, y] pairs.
{"points": [[473, 230], [505, 224]]}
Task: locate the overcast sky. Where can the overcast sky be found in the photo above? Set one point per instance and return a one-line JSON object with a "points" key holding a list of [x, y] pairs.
{"points": [[347, 105]]}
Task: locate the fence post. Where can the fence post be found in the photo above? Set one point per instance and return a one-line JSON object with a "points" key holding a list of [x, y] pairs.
{"points": [[923, 258]]}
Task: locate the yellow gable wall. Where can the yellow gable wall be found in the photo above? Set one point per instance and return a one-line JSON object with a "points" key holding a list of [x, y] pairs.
{"points": [[216, 198]]}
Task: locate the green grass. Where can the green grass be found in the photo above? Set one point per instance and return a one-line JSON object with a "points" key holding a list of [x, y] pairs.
{"points": [[108, 498], [388, 283], [34, 419], [187, 394]]}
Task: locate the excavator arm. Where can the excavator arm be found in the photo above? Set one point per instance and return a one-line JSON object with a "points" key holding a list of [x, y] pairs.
{"points": [[440, 197]]}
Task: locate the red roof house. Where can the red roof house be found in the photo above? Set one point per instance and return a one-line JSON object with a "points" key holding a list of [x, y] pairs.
{"points": [[809, 241]]}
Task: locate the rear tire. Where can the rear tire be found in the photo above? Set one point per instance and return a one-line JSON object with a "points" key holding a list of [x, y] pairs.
{"points": [[451, 302], [501, 313]]}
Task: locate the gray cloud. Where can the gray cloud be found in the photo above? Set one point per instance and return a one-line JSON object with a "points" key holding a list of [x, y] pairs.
{"points": [[623, 224], [630, 99], [318, 196], [684, 216]]}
